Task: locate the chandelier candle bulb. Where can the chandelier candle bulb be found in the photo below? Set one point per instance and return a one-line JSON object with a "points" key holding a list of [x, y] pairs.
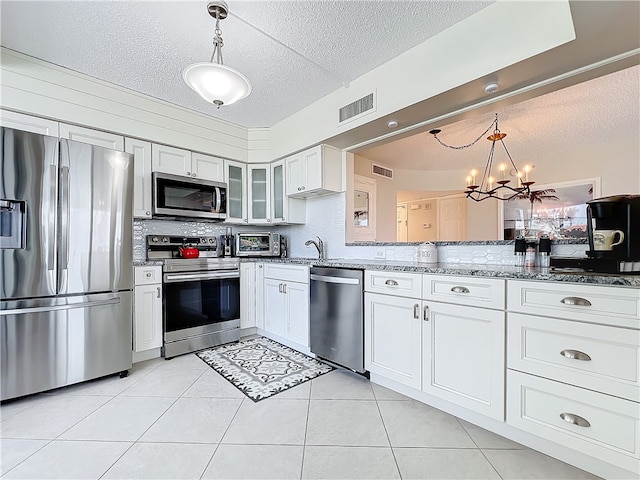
{"points": [[502, 167], [527, 168], [490, 183], [468, 180]]}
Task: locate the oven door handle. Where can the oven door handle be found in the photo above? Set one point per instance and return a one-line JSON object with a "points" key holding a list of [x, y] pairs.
{"points": [[184, 277]]}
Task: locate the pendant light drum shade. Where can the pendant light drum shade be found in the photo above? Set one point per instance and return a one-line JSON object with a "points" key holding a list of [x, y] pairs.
{"points": [[216, 83]]}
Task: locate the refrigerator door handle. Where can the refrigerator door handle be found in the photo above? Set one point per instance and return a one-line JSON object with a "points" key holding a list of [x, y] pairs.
{"points": [[96, 303], [51, 254], [64, 218]]}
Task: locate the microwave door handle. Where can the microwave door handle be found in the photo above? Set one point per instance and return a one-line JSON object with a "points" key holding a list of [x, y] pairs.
{"points": [[218, 200]]}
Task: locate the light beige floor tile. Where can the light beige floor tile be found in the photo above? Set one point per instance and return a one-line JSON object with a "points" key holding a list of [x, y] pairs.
{"points": [[255, 462], [164, 382], [443, 463], [122, 419], [162, 461], [321, 462], [525, 464], [414, 424], [271, 422], [197, 420], [345, 422], [212, 384], [14, 451], [190, 361], [383, 393], [486, 439], [70, 460], [341, 385], [112, 385], [12, 407], [50, 416]]}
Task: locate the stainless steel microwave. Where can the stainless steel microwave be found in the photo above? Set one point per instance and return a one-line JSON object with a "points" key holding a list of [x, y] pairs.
{"points": [[262, 244], [176, 196]]}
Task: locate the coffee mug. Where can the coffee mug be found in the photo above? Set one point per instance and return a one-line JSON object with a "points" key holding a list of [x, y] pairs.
{"points": [[604, 239]]}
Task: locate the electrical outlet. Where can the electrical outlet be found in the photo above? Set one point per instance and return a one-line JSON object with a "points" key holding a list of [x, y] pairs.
{"points": [[380, 254]]}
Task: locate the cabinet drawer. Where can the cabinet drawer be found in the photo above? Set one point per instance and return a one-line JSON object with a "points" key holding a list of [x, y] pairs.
{"points": [[612, 433], [598, 357], [393, 283], [609, 305], [148, 275], [288, 273], [472, 291]]}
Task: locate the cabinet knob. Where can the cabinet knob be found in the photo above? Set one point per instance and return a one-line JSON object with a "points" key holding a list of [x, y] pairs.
{"points": [[268, 220], [193, 175], [188, 174], [148, 274], [303, 188], [299, 188], [575, 419], [246, 221], [583, 302], [147, 212], [575, 355]]}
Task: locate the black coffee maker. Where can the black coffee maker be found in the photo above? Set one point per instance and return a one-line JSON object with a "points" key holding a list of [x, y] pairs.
{"points": [[226, 244], [613, 229]]}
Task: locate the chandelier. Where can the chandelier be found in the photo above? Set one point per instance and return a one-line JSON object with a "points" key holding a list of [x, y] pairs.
{"points": [[214, 81], [490, 186]]}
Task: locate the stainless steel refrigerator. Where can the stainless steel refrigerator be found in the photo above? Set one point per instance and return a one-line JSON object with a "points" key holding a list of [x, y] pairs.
{"points": [[66, 275]]}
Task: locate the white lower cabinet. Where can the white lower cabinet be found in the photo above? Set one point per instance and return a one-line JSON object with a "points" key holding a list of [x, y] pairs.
{"points": [[247, 295], [463, 356], [392, 338], [599, 425], [286, 302], [147, 308]]}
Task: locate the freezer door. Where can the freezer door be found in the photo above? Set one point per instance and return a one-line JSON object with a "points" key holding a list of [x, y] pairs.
{"points": [[28, 183], [53, 342], [95, 219]]}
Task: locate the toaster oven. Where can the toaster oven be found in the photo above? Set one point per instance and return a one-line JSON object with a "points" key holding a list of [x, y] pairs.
{"points": [[263, 244]]}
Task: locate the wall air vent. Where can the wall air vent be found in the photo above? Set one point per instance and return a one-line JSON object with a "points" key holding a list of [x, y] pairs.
{"points": [[356, 108], [382, 171]]}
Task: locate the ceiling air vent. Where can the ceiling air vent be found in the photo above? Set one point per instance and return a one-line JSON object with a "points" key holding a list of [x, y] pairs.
{"points": [[381, 171], [356, 108]]}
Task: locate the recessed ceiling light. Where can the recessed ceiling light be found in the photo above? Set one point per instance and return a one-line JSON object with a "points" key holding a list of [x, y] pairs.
{"points": [[392, 124], [491, 87]]}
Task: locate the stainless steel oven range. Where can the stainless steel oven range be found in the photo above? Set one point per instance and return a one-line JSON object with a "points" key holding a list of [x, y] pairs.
{"points": [[201, 301]]}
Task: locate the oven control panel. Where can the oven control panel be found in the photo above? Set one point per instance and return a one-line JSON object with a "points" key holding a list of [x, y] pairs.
{"points": [[168, 246]]}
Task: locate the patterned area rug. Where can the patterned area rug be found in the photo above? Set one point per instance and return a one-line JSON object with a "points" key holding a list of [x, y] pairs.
{"points": [[260, 367]]}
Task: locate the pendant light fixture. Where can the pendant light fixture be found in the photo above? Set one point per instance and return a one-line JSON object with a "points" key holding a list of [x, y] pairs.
{"points": [[490, 186], [214, 81]]}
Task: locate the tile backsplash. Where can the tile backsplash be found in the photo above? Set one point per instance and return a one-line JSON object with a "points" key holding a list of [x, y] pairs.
{"points": [[326, 219]]}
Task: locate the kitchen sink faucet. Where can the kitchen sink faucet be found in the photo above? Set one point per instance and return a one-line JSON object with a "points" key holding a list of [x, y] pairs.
{"points": [[319, 246]]}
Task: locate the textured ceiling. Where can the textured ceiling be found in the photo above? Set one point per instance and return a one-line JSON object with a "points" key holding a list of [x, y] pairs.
{"points": [[293, 52], [602, 110]]}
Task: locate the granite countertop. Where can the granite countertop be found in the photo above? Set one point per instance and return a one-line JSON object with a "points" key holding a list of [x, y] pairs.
{"points": [[478, 270], [147, 263]]}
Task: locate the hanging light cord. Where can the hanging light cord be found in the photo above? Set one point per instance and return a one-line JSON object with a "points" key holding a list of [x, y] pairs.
{"points": [[217, 44], [462, 147]]}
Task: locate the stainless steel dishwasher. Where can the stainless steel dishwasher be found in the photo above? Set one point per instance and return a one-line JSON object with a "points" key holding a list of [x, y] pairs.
{"points": [[337, 323]]}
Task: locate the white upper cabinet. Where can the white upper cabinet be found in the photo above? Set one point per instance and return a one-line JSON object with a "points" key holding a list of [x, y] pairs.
{"points": [[314, 172], [236, 174], [207, 167], [28, 123], [259, 193], [93, 137], [141, 151], [175, 161], [178, 161], [284, 210]]}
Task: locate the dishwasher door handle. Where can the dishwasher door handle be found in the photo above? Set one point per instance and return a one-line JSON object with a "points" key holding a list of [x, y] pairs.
{"points": [[327, 279]]}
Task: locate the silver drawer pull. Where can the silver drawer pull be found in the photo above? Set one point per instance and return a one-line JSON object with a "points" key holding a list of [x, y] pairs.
{"points": [[583, 302], [416, 311], [391, 282], [575, 355], [575, 419], [460, 289]]}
